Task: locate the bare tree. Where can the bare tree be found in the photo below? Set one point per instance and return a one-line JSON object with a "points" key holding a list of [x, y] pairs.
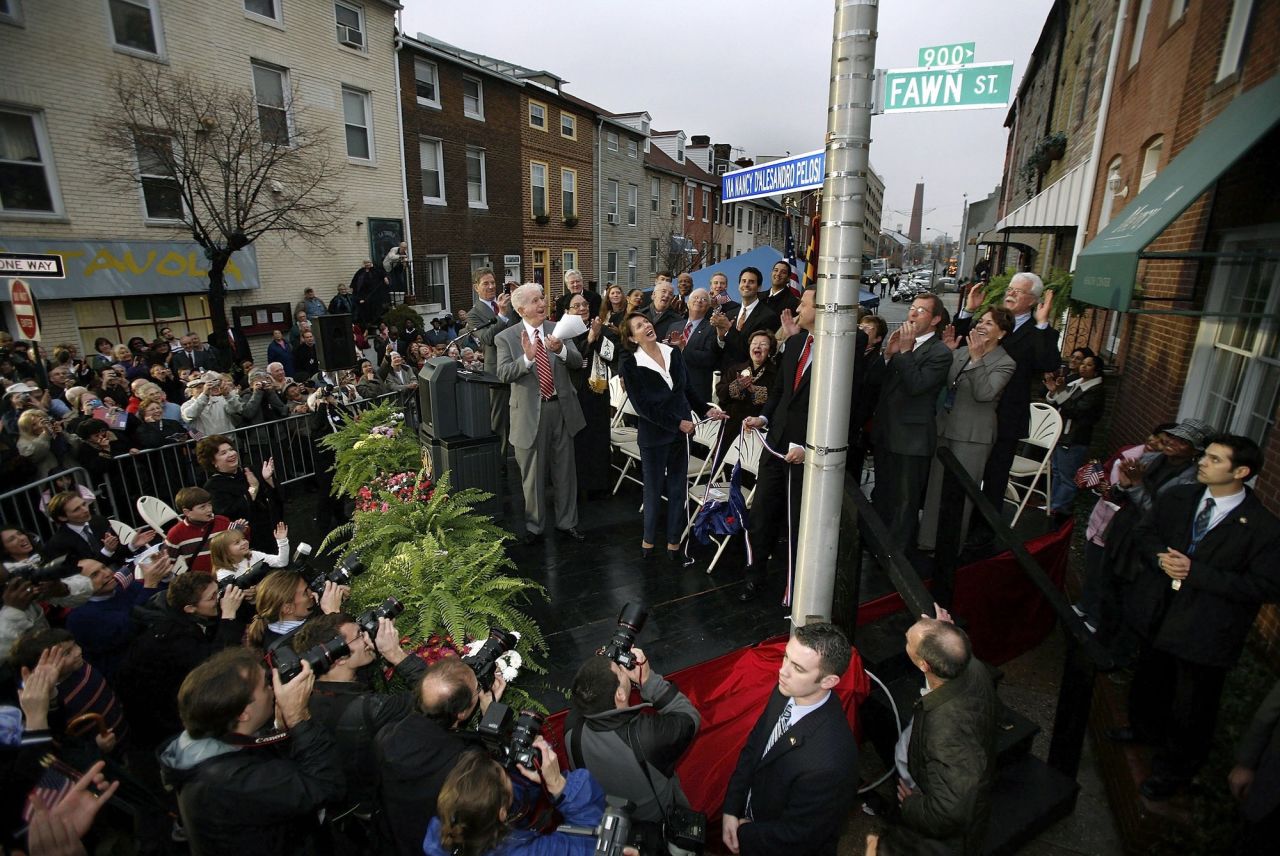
{"points": [[230, 164]]}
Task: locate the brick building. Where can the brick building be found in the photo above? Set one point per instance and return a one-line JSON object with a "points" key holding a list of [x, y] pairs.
{"points": [[463, 168], [1189, 147], [131, 264]]}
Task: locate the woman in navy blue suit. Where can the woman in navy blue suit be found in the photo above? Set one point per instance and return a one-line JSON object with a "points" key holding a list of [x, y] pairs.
{"points": [[660, 392]]}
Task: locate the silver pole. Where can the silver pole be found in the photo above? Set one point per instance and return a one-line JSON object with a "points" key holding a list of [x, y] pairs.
{"points": [[844, 189]]}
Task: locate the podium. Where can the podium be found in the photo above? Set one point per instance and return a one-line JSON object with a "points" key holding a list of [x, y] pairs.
{"points": [[454, 424]]}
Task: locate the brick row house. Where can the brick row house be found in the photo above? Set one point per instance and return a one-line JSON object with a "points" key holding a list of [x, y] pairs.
{"points": [[624, 215]]}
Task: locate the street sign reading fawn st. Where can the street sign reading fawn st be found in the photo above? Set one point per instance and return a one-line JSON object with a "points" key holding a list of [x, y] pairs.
{"points": [[908, 90]]}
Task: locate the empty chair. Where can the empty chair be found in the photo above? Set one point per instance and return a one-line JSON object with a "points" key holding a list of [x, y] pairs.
{"points": [[156, 512], [1025, 474]]}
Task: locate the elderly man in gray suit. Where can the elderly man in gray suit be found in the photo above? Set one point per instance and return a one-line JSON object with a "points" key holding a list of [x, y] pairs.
{"points": [[545, 413], [914, 370], [490, 314]]}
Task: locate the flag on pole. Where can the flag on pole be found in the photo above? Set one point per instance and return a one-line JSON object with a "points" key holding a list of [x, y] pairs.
{"points": [[811, 253], [791, 258]]}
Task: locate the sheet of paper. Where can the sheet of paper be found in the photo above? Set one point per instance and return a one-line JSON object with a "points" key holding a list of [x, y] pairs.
{"points": [[569, 326]]}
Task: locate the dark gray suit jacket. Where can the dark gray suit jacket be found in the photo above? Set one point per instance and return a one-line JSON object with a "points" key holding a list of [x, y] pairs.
{"points": [[526, 402], [701, 358], [481, 314], [905, 421]]}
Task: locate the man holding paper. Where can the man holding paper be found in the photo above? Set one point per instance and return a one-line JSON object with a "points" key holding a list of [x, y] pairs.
{"points": [[533, 357]]}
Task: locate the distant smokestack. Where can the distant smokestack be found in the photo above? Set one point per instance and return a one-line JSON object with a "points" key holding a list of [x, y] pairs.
{"points": [[917, 209]]}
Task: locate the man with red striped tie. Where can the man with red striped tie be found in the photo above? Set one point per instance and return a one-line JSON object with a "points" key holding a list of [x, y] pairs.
{"points": [[545, 413]]}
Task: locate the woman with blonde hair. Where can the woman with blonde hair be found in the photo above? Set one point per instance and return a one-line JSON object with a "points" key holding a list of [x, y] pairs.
{"points": [[283, 602], [39, 440], [231, 556]]}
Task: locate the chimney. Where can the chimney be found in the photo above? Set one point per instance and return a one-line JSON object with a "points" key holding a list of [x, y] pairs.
{"points": [[699, 141], [721, 151], [745, 162]]}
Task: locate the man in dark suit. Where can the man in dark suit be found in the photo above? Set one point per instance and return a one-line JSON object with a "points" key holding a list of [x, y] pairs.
{"points": [[720, 300], [785, 419], [663, 315], [1255, 779], [735, 331], [1033, 344], [913, 372], [545, 413], [796, 775], [490, 314], [1207, 559], [573, 285], [81, 534], [698, 341], [780, 296], [194, 355], [306, 362]]}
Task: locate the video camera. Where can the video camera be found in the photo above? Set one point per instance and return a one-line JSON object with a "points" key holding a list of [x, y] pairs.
{"points": [[368, 620], [350, 568], [250, 578], [630, 622], [614, 831], [289, 662], [509, 738], [46, 572], [484, 661]]}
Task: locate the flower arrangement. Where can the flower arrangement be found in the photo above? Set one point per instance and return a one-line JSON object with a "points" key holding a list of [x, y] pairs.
{"points": [[406, 487], [369, 444]]}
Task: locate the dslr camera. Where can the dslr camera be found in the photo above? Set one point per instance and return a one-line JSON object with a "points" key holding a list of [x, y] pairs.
{"points": [[630, 622], [484, 661], [250, 578], [46, 572], [368, 620], [289, 662], [509, 738], [350, 568]]}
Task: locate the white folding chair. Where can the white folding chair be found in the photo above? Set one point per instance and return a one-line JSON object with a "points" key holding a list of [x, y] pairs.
{"points": [[155, 512], [1046, 428], [124, 531], [715, 382], [745, 449], [706, 436]]}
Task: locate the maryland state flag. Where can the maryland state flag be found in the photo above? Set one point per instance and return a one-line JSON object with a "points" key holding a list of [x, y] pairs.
{"points": [[811, 253]]}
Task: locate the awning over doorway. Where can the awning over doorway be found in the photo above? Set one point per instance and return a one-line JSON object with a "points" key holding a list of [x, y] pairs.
{"points": [[1108, 266], [1056, 207]]}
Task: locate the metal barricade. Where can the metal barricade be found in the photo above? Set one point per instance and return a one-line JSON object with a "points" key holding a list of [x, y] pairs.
{"points": [[24, 507]]}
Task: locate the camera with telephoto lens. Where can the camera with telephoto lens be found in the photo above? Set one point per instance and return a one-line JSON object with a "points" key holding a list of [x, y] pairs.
{"points": [[368, 620], [630, 623], [484, 661], [509, 738], [350, 568], [250, 578], [46, 572], [289, 662]]}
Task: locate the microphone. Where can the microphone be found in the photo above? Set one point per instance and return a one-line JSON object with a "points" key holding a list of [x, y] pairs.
{"points": [[469, 330]]}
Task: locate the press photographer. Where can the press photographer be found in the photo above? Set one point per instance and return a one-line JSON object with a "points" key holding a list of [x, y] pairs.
{"points": [[285, 599], [243, 789], [415, 755]]}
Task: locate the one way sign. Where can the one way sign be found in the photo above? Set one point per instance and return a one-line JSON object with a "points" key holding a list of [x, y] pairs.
{"points": [[32, 265]]}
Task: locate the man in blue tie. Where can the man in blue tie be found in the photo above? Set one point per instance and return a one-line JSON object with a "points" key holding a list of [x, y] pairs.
{"points": [[1208, 562], [796, 777]]}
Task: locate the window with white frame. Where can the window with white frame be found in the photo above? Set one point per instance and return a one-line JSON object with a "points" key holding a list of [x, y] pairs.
{"points": [[357, 116], [436, 273], [569, 192], [537, 115], [631, 267], [269, 9], [611, 201], [738, 225], [161, 198], [706, 205], [431, 154], [633, 204], [749, 213], [715, 216], [27, 181], [426, 80], [569, 260], [270, 85], [1150, 162], [472, 98], [538, 188], [477, 187], [1234, 379], [675, 199], [568, 125], [1139, 31], [350, 20], [680, 149], [633, 149], [11, 12], [1233, 43], [653, 255], [688, 203], [611, 266], [135, 26], [655, 193], [1113, 176], [480, 262], [611, 140]]}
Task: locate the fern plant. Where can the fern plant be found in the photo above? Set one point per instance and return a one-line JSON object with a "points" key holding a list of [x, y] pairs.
{"points": [[370, 444]]}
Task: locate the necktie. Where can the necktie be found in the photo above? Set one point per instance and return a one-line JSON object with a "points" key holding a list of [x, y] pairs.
{"points": [[804, 355], [688, 330], [1200, 525], [546, 383], [742, 317], [87, 534], [779, 728]]}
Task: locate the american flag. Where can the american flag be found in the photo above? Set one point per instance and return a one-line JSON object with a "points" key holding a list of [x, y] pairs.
{"points": [[48, 792], [791, 258]]}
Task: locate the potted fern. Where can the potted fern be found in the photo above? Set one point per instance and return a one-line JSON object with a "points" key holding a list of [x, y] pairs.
{"points": [[369, 445]]}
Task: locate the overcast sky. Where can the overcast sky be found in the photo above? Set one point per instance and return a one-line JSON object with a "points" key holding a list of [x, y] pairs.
{"points": [[754, 74]]}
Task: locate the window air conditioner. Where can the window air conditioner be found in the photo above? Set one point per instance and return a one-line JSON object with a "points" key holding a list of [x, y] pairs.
{"points": [[350, 36], [612, 218]]}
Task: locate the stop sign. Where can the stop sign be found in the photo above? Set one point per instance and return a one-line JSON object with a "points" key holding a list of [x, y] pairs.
{"points": [[24, 309]]}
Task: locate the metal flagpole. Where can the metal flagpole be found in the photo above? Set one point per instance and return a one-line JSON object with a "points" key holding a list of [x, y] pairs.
{"points": [[844, 190]]}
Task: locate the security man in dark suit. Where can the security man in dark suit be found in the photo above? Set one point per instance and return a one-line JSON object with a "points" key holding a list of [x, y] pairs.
{"points": [[698, 343], [914, 370], [1033, 344], [785, 419], [1208, 562], [734, 331], [797, 774]]}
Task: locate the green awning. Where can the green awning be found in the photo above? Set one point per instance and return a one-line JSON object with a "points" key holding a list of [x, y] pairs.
{"points": [[1107, 267]]}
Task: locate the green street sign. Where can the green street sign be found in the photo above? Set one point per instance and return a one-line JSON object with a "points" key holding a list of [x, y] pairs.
{"points": [[944, 55], [909, 90]]}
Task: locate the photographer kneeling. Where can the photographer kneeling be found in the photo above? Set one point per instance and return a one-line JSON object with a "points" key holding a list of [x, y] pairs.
{"points": [[346, 704], [631, 754], [240, 791], [415, 755]]}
